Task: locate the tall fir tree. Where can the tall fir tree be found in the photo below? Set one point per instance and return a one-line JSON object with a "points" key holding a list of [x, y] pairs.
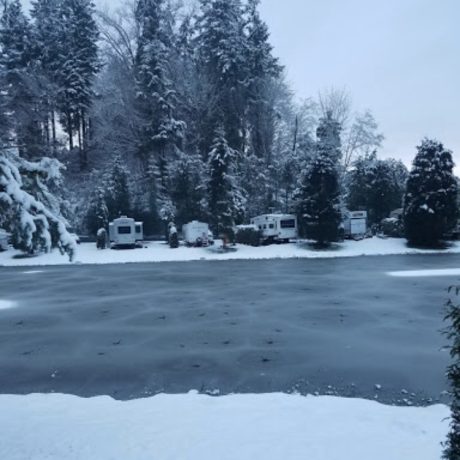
{"points": [[319, 200], [221, 45], [328, 134], [262, 69], [19, 101], [430, 203], [97, 214], [47, 35], [77, 68], [117, 193], [319, 188], [160, 132], [225, 200], [187, 188]]}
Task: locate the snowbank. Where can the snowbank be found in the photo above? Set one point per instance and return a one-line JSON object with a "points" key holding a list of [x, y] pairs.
{"points": [[159, 252], [197, 427]]}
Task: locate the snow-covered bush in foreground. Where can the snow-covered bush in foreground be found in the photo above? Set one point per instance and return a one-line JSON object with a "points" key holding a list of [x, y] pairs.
{"points": [[29, 209]]}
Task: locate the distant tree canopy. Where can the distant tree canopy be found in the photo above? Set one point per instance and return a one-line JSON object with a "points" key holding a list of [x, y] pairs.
{"points": [[376, 186]]}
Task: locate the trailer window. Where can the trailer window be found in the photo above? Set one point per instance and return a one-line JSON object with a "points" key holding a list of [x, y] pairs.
{"points": [[138, 228], [288, 223], [272, 226], [124, 230]]}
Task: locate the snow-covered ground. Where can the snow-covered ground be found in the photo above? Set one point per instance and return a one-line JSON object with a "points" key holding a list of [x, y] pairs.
{"points": [[160, 252], [197, 427], [426, 273]]}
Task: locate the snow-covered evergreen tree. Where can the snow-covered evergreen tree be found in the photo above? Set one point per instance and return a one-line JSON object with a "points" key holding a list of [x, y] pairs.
{"points": [[328, 134], [188, 189], [117, 193], [262, 69], [78, 66], [19, 102], [221, 45], [156, 94], [33, 213], [97, 215], [430, 203], [318, 194], [47, 36], [225, 200], [319, 200]]}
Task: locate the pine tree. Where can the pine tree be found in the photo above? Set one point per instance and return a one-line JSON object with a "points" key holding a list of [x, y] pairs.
{"points": [[156, 95], [117, 196], [452, 446], [78, 66], [160, 132], [319, 188], [225, 200], [328, 134], [319, 200], [47, 35], [187, 188], [430, 203], [97, 215], [16, 78], [221, 45], [262, 69], [32, 212]]}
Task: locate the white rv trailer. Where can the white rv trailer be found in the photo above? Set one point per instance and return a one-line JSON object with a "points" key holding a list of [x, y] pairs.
{"points": [[277, 227], [122, 232], [355, 224], [196, 234]]}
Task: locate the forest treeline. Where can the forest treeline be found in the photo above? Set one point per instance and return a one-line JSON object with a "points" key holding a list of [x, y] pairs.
{"points": [[171, 111]]}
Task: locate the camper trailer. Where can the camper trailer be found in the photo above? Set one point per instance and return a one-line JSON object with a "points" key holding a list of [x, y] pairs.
{"points": [[355, 224], [277, 227], [196, 234], [122, 233]]}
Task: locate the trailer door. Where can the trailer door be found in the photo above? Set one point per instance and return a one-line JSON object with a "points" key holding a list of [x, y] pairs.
{"points": [[358, 226]]}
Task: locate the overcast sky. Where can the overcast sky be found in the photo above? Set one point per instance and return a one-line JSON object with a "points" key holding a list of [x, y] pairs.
{"points": [[399, 58]]}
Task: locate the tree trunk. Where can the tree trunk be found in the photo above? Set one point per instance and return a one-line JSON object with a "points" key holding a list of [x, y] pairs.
{"points": [[53, 128], [69, 130]]}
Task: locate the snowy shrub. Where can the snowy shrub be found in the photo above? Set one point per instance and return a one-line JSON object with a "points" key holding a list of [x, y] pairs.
{"points": [[452, 446], [248, 235]]}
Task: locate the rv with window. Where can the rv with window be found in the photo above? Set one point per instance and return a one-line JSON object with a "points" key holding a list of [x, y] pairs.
{"points": [[277, 227], [355, 224], [122, 233]]}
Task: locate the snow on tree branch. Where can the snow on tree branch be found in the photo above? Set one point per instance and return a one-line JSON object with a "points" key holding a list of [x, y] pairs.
{"points": [[34, 220]]}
